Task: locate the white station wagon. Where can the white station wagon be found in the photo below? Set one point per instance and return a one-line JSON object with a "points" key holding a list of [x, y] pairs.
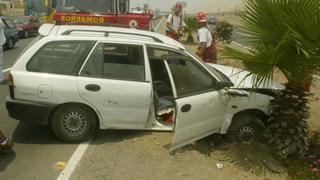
{"points": [[80, 78]]}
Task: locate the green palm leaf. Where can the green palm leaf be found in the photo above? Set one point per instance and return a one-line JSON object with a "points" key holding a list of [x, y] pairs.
{"points": [[285, 35]]}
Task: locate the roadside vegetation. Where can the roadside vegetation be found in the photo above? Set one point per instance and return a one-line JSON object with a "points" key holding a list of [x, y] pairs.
{"points": [[224, 32], [286, 38], [191, 28]]}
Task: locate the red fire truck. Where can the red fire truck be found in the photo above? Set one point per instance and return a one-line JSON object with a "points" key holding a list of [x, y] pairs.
{"points": [[100, 12]]}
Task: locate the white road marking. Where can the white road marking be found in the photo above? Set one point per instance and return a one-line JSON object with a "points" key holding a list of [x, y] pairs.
{"points": [[8, 69], [73, 161], [155, 29]]}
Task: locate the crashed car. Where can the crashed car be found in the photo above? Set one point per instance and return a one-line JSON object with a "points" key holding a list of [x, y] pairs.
{"points": [[81, 78]]}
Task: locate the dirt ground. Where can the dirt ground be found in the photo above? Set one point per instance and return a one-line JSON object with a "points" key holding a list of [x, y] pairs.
{"points": [[145, 155]]}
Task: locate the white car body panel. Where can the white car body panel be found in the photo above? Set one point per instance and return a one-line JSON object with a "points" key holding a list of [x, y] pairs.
{"points": [[122, 104], [255, 101], [205, 117], [239, 79]]}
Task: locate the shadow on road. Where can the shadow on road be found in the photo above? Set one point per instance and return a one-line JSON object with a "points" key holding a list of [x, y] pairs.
{"points": [[8, 49], [112, 136], [27, 133], [6, 159]]}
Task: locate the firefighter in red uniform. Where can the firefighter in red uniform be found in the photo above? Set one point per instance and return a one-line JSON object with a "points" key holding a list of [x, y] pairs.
{"points": [[207, 49], [175, 23]]}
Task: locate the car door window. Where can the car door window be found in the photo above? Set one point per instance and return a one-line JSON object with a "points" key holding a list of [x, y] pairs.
{"points": [[60, 57], [114, 61], [10, 24], [188, 76]]}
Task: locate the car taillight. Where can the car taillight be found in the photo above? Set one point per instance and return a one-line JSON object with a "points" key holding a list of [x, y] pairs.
{"points": [[11, 85]]}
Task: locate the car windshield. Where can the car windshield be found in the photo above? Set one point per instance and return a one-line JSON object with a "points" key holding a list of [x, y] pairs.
{"points": [[86, 6], [22, 20]]}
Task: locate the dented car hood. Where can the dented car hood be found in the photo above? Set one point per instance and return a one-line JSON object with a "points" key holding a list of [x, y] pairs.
{"points": [[241, 80]]}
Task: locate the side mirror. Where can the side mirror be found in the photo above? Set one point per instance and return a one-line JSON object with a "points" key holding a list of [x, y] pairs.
{"points": [[53, 3]]}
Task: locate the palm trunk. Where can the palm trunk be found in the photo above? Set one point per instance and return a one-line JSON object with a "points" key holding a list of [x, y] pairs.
{"points": [[287, 132]]}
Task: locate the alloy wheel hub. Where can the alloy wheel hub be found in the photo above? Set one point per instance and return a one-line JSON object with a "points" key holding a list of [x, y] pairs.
{"points": [[74, 123], [245, 132]]}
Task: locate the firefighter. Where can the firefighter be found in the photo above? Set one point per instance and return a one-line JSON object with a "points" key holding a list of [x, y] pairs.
{"points": [[175, 23], [207, 49]]}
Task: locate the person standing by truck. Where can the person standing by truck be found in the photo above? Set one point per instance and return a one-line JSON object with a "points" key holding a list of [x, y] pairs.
{"points": [[175, 23], [2, 41], [207, 49]]}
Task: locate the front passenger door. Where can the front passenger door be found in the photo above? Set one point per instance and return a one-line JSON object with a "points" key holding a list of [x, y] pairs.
{"points": [[200, 105]]}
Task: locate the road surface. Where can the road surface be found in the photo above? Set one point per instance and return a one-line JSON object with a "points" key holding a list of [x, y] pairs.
{"points": [[36, 150]]}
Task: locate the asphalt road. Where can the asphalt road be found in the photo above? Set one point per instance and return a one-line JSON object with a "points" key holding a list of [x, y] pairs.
{"points": [[36, 150]]}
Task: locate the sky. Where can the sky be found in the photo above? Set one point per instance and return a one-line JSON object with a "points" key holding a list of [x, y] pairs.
{"points": [[193, 5]]}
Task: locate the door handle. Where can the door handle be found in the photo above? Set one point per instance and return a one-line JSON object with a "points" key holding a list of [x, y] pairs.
{"points": [[186, 108], [93, 87]]}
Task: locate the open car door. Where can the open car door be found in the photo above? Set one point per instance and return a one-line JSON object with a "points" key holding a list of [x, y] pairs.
{"points": [[198, 116], [200, 106]]}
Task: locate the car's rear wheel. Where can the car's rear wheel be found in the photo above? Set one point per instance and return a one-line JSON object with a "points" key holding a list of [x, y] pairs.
{"points": [[11, 43], [245, 127], [74, 123], [26, 34]]}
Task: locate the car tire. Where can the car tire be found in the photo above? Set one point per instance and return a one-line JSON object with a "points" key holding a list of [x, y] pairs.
{"points": [[245, 127], [74, 123], [11, 43], [26, 34]]}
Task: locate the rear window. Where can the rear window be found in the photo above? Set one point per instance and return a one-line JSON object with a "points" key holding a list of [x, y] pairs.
{"points": [[60, 57]]}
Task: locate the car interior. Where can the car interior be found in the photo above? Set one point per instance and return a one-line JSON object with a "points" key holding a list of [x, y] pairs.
{"points": [[162, 90]]}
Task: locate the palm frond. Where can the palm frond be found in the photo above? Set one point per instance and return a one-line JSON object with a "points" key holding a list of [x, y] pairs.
{"points": [[285, 35]]}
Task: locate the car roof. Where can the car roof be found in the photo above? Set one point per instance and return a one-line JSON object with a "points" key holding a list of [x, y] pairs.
{"points": [[121, 34]]}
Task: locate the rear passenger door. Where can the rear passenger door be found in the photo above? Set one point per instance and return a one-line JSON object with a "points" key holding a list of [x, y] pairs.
{"points": [[115, 82]]}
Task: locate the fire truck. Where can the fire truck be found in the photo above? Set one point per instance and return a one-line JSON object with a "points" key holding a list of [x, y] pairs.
{"points": [[97, 12]]}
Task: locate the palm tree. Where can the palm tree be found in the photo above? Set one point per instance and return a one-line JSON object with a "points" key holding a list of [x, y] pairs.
{"points": [[191, 27], [285, 35]]}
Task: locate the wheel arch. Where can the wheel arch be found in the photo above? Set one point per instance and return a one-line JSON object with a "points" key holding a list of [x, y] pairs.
{"points": [[230, 118], [97, 117], [256, 112]]}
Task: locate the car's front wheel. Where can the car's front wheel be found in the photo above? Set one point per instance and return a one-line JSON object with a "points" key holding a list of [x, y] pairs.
{"points": [[245, 127], [11, 43], [74, 123]]}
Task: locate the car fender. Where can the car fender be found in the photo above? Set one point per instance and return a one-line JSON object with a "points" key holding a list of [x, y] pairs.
{"points": [[254, 103]]}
